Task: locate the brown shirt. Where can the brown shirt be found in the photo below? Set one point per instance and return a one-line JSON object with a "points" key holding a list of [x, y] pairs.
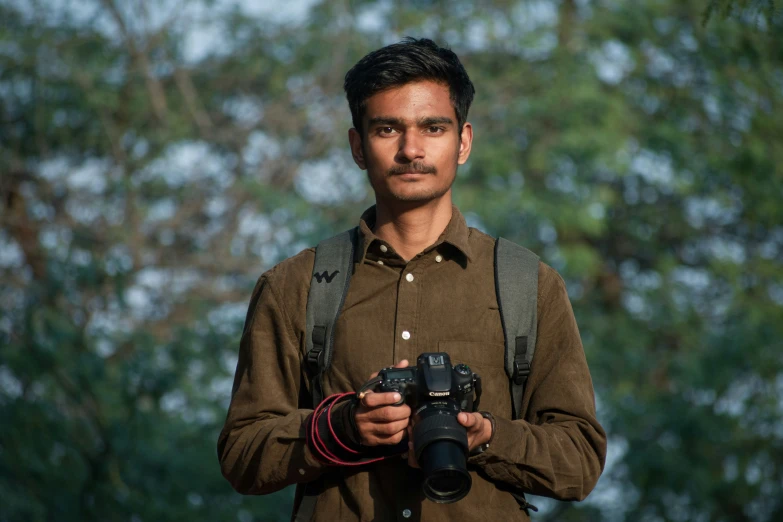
{"points": [[441, 300]]}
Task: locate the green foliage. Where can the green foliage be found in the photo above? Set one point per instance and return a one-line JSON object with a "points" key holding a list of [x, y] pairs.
{"points": [[759, 10], [157, 157]]}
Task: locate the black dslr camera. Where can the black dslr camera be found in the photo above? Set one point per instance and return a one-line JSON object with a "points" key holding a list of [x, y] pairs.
{"points": [[437, 393]]}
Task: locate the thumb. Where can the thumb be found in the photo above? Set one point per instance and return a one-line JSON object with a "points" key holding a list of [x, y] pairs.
{"points": [[466, 419]]}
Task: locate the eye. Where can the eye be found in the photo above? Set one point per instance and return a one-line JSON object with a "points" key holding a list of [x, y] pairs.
{"points": [[385, 131], [434, 129]]}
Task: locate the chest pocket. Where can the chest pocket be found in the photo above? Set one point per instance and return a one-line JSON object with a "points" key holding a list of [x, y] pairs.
{"points": [[488, 361]]}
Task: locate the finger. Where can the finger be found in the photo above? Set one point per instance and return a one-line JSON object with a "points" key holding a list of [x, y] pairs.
{"points": [[374, 400], [389, 441], [375, 440], [385, 414], [388, 429], [363, 396]]}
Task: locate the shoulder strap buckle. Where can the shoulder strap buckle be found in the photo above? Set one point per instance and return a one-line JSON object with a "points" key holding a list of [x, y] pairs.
{"points": [[521, 371], [521, 365], [315, 356]]}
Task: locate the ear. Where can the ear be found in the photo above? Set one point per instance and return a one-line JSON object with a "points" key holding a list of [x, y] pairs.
{"points": [[465, 143], [357, 151]]}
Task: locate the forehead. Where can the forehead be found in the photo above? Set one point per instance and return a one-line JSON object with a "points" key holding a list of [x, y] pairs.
{"points": [[411, 101]]}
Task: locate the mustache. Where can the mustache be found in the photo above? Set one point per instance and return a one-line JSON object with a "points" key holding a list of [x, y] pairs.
{"points": [[414, 168]]}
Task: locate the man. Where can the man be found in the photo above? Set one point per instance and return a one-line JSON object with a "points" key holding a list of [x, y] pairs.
{"points": [[423, 282]]}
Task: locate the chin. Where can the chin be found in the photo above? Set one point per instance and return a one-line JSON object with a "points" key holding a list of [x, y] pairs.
{"points": [[417, 195]]}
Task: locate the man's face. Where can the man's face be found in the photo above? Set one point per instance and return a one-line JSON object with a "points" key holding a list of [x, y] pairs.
{"points": [[411, 144]]}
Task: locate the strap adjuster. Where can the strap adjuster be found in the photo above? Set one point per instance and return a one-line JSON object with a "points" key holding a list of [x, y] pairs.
{"points": [[314, 357], [316, 354], [521, 371], [521, 367]]}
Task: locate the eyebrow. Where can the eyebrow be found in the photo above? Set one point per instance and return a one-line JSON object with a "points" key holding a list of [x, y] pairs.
{"points": [[422, 122]]}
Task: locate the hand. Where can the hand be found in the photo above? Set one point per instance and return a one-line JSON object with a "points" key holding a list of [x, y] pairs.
{"points": [[377, 420], [479, 429], [479, 432]]}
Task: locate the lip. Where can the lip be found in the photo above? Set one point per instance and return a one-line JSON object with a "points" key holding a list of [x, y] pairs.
{"points": [[410, 174]]}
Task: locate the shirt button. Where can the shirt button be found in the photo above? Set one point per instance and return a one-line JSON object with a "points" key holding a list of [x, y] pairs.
{"points": [[301, 471], [406, 513], [409, 278], [380, 262], [384, 248], [438, 258], [406, 335]]}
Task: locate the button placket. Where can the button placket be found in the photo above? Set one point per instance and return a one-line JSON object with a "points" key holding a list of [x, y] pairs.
{"points": [[407, 312], [408, 503]]}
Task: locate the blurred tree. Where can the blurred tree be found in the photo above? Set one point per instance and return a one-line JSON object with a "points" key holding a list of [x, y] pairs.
{"points": [[157, 157], [746, 9]]}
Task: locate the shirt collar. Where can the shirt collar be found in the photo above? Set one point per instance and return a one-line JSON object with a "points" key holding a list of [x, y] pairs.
{"points": [[455, 234]]}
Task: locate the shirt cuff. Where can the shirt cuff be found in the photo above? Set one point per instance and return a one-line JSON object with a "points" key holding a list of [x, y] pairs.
{"points": [[344, 424]]}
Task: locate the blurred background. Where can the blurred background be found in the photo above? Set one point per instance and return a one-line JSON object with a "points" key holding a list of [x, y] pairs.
{"points": [[157, 156]]}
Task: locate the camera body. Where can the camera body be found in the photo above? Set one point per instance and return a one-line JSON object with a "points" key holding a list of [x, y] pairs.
{"points": [[432, 379], [437, 393]]}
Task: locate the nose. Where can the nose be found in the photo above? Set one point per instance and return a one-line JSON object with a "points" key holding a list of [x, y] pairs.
{"points": [[411, 147]]}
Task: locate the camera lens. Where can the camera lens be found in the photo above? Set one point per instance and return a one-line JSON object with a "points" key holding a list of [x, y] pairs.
{"points": [[446, 478], [440, 443]]}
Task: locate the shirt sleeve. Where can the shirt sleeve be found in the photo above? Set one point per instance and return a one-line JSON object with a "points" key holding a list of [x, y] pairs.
{"points": [[262, 447], [559, 449]]}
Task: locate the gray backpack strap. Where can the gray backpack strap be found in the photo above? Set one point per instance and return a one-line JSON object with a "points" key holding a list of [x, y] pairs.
{"points": [[332, 272], [516, 284], [331, 276]]}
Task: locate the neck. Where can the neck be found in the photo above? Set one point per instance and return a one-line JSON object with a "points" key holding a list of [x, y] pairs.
{"points": [[411, 228]]}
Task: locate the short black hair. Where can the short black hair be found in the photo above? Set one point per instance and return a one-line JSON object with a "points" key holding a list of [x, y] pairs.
{"points": [[410, 60]]}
